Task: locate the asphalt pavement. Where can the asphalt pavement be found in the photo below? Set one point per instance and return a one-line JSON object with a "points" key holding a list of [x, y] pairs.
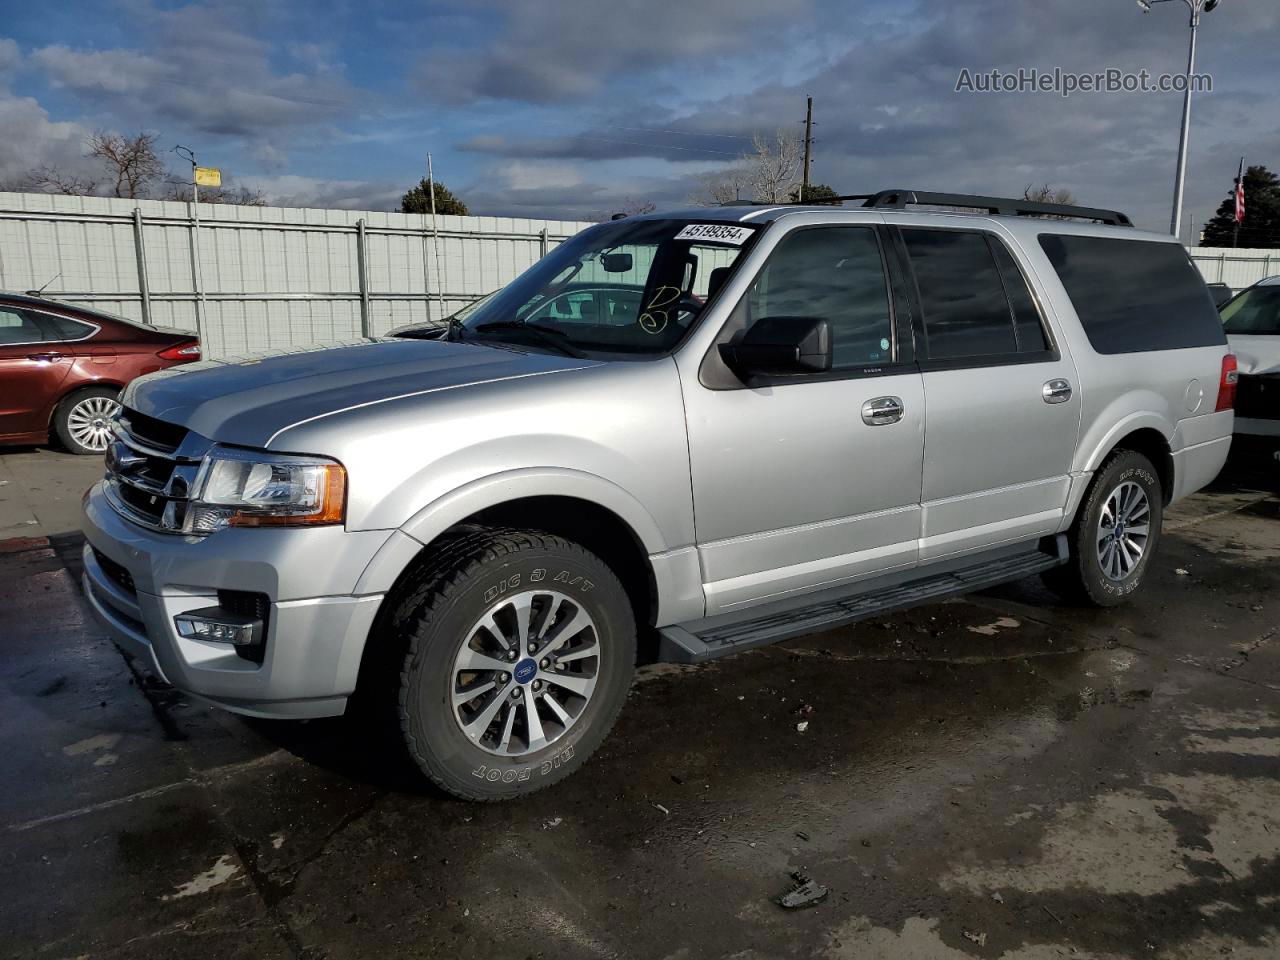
{"points": [[1000, 776]]}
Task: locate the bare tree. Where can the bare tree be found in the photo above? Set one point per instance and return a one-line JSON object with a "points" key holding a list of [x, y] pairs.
{"points": [[773, 168], [180, 190], [768, 175], [723, 186], [1047, 194], [131, 162], [53, 180]]}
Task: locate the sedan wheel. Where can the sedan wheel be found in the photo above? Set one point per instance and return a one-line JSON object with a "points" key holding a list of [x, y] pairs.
{"points": [[83, 421]]}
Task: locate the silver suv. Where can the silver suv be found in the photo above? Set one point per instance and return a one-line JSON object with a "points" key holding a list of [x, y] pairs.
{"points": [[677, 436]]}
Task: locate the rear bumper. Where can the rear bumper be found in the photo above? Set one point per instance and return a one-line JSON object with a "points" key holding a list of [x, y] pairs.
{"points": [[1200, 450], [1256, 427], [314, 643]]}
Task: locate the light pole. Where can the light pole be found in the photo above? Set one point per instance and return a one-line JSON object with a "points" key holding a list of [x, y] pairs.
{"points": [[1197, 7]]}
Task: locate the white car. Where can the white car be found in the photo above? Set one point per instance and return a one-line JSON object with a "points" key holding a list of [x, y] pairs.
{"points": [[1252, 323]]}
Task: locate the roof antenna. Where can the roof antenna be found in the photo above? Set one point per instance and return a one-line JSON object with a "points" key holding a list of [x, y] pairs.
{"points": [[40, 292]]}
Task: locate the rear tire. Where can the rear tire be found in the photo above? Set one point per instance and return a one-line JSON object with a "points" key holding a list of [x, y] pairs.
{"points": [[484, 727], [1115, 533], [81, 420]]}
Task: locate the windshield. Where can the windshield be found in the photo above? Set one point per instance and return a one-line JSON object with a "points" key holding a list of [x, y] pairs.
{"points": [[1256, 311], [628, 288]]}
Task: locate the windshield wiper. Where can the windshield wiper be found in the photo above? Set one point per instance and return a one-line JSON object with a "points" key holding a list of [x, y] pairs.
{"points": [[556, 339]]}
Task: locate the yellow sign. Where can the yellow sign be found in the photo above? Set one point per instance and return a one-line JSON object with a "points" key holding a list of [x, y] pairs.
{"points": [[208, 177]]}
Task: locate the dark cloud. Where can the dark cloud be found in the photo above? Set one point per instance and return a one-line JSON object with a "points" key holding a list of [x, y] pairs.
{"points": [[200, 66], [609, 143], [889, 114], [536, 53]]}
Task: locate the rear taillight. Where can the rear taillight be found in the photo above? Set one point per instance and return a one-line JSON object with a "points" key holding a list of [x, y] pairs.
{"points": [[1227, 385], [182, 351]]}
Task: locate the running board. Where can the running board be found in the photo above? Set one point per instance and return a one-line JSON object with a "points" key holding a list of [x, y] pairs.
{"points": [[701, 640]]}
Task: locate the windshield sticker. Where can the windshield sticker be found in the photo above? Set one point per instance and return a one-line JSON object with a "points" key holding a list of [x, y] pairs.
{"points": [[715, 233]]}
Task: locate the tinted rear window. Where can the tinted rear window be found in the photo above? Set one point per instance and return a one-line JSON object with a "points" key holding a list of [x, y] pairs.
{"points": [[1135, 295]]}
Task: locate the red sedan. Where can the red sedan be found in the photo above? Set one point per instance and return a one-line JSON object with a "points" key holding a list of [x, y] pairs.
{"points": [[61, 368]]}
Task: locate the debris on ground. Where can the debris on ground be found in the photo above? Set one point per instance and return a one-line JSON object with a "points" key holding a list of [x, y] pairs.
{"points": [[552, 823], [805, 893], [802, 835], [658, 806], [997, 898], [802, 726], [1182, 572], [979, 938]]}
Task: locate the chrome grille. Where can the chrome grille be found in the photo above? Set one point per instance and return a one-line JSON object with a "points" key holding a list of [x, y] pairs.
{"points": [[151, 470]]}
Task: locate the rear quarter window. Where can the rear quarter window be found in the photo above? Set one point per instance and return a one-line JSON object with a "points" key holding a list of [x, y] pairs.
{"points": [[1133, 296]]}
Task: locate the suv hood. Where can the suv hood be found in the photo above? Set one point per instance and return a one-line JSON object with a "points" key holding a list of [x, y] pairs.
{"points": [[1255, 354], [247, 400]]}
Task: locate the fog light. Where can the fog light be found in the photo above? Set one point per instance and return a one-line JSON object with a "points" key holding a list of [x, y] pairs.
{"points": [[220, 626]]}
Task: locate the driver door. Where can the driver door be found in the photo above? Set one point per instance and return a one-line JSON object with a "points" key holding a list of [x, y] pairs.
{"points": [[798, 484]]}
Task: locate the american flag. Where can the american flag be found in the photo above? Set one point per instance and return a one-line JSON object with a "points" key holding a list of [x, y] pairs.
{"points": [[1240, 194]]}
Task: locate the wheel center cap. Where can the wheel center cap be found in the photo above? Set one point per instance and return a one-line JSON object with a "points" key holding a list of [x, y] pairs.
{"points": [[525, 670]]}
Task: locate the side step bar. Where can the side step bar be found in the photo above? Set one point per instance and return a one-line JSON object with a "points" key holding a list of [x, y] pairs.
{"points": [[701, 640]]}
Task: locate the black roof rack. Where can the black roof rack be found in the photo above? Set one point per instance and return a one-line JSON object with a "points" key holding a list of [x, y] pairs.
{"points": [[1005, 206]]}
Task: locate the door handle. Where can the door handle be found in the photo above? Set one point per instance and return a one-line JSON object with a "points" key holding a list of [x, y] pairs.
{"points": [[47, 357], [1056, 391], [882, 410]]}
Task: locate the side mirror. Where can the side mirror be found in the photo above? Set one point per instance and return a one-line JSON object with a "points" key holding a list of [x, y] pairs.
{"points": [[1221, 293], [615, 262], [780, 347]]}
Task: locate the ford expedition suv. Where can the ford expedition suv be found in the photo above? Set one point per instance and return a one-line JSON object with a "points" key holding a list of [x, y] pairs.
{"points": [[813, 414]]}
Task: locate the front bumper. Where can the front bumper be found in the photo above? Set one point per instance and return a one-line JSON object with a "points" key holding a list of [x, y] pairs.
{"points": [[316, 629]]}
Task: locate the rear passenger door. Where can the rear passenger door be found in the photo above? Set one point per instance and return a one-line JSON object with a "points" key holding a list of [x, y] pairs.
{"points": [[1002, 412]]}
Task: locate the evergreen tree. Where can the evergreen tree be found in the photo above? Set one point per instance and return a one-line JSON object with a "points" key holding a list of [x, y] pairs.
{"points": [[418, 200], [1261, 226]]}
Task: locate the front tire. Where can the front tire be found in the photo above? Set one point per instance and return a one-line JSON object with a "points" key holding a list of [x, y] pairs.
{"points": [[82, 420], [518, 650], [1115, 533]]}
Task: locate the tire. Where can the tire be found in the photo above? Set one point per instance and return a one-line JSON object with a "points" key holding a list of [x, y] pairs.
{"points": [[495, 573], [80, 420], [1101, 572]]}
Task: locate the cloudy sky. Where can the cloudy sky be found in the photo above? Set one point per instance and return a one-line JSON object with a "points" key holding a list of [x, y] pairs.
{"points": [[566, 108]]}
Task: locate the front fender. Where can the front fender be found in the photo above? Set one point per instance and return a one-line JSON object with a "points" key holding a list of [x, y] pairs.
{"points": [[494, 490]]}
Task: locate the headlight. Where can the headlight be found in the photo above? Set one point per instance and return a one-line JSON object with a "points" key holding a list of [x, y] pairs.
{"points": [[247, 488]]}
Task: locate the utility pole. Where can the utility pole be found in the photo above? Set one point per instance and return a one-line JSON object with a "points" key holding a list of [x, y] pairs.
{"points": [[808, 147], [197, 278]]}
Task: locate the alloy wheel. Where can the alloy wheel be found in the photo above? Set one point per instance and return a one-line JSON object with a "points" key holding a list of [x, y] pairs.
{"points": [[1124, 528], [89, 422], [525, 673]]}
